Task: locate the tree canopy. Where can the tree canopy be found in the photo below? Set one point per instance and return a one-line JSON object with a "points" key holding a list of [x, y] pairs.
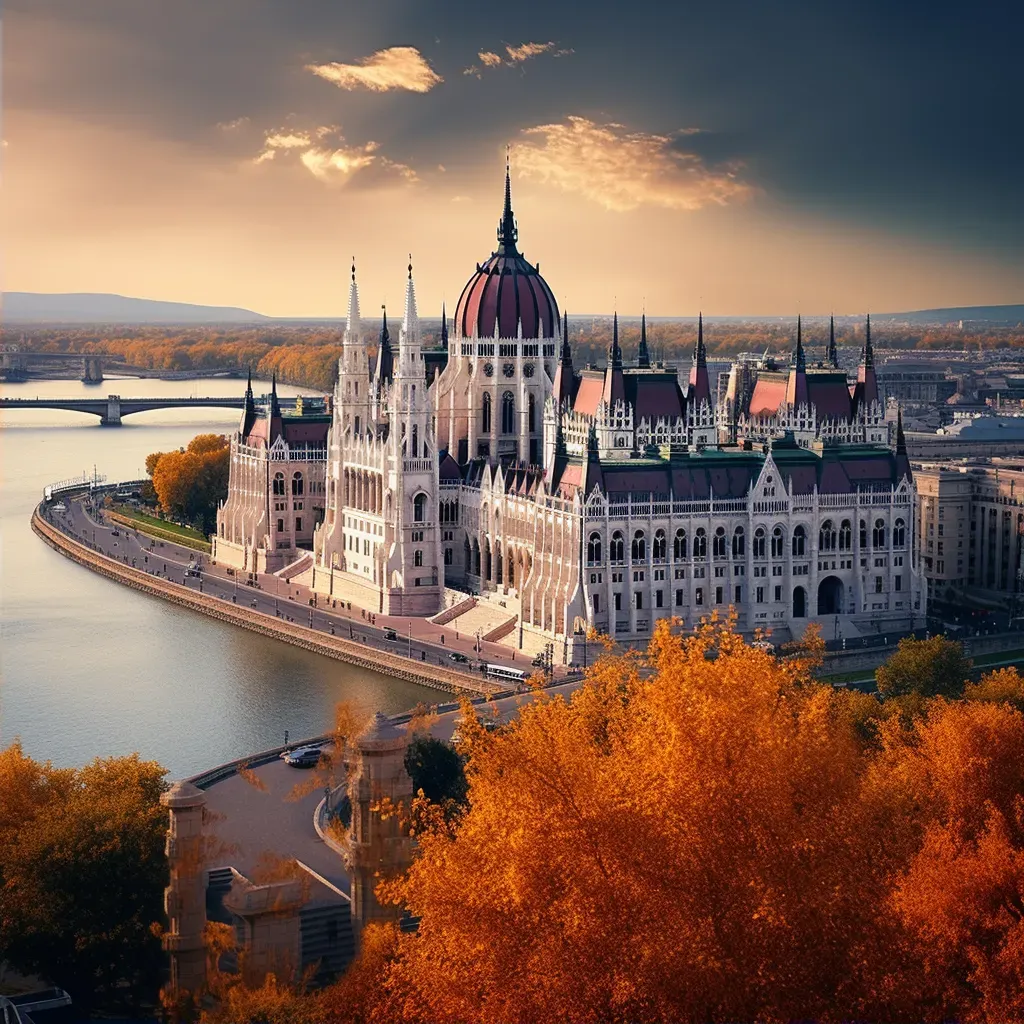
{"points": [[190, 483], [82, 871], [936, 667]]}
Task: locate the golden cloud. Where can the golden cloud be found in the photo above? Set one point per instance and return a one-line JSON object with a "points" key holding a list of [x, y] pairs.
{"points": [[516, 55], [398, 67], [623, 170], [489, 59], [329, 159]]}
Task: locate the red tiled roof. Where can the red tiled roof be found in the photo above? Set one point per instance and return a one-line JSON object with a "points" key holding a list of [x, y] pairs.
{"points": [[588, 395]]}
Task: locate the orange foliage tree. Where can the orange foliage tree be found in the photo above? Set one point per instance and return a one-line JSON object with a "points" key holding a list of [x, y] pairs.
{"points": [[191, 482]]}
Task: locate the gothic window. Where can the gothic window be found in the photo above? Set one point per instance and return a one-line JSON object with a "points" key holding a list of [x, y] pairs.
{"points": [[778, 542], [279, 484], [899, 534], [485, 415], [617, 547], [508, 413], [638, 549], [594, 548], [419, 508], [759, 539], [845, 536], [700, 544], [449, 558], [863, 534], [417, 558], [297, 483], [799, 542], [532, 414], [659, 546], [739, 543], [415, 441], [827, 536], [878, 534], [718, 543], [679, 545]]}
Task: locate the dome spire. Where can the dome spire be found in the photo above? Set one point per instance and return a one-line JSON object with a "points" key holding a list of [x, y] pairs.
{"points": [[508, 233]]}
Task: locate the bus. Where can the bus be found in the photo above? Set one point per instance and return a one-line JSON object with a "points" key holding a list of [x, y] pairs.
{"points": [[515, 675]]}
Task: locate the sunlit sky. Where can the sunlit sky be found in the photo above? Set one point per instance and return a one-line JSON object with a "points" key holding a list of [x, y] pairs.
{"points": [[743, 158]]}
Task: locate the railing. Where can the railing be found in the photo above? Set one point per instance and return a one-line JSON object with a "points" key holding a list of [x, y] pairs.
{"points": [[78, 483]]}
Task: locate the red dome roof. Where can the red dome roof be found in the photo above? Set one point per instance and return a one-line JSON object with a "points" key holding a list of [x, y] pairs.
{"points": [[506, 290]]}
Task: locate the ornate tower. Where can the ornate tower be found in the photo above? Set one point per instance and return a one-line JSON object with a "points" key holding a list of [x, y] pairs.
{"points": [[414, 582], [352, 394]]}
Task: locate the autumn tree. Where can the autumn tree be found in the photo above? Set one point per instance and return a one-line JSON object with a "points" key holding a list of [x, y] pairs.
{"points": [[936, 667], [82, 872], [191, 483], [1001, 686]]}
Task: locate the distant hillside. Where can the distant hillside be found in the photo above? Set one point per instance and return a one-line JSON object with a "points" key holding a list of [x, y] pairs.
{"points": [[990, 314], [94, 308]]}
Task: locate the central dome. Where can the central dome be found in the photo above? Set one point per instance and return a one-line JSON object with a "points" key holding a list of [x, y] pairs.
{"points": [[506, 291]]}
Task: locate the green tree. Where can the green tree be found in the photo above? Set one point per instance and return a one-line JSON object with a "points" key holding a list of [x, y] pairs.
{"points": [[437, 769], [927, 668], [82, 871]]}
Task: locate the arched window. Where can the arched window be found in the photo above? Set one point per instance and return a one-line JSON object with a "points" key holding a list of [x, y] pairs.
{"points": [[638, 549], [508, 413], [531, 414], [594, 549], [659, 546], [617, 548], [759, 538], [297, 487], [419, 508], [827, 536], [485, 415], [899, 534], [417, 558], [739, 543], [279, 484], [878, 534], [718, 543], [679, 545], [799, 542], [778, 542], [845, 536], [415, 441], [700, 544], [863, 534]]}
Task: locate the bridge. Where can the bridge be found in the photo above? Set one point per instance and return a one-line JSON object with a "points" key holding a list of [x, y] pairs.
{"points": [[112, 409], [16, 364]]}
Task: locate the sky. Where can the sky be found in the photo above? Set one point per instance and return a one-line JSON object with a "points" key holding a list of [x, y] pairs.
{"points": [[739, 157]]}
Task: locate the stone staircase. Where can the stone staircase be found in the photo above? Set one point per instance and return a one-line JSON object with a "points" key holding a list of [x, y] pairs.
{"points": [[490, 621]]}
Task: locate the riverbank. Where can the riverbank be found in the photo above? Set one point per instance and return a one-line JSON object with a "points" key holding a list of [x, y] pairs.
{"points": [[330, 646]]}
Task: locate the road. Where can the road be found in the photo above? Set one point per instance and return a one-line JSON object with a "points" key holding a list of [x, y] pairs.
{"points": [[417, 639]]}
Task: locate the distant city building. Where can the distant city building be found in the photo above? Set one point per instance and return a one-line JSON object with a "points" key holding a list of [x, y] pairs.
{"points": [[568, 499]]}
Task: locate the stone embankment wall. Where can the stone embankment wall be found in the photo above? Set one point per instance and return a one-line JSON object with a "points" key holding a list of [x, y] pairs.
{"points": [[257, 622]]}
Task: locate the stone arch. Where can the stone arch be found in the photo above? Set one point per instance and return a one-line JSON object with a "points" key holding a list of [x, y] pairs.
{"points": [[799, 603], [830, 596]]}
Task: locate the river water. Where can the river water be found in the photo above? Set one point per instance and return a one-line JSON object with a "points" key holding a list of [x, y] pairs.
{"points": [[90, 668]]}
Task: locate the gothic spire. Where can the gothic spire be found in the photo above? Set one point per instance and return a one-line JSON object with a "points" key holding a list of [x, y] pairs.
{"points": [[700, 386], [566, 349], [444, 324], [248, 387], [508, 233], [615, 354], [643, 358], [385, 369], [249, 411], [411, 317], [832, 353], [800, 359], [354, 320], [868, 355]]}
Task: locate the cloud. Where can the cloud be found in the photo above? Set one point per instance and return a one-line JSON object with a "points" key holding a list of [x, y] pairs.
{"points": [[398, 67], [515, 55], [323, 152], [623, 170], [230, 126]]}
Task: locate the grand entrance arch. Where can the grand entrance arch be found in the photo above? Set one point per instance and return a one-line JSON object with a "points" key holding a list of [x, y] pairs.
{"points": [[799, 603], [830, 596]]}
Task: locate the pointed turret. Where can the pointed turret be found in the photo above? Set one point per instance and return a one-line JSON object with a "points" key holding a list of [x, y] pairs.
{"points": [[868, 354], [276, 424], [410, 320], [643, 357], [249, 410], [700, 386], [614, 384], [866, 390], [832, 353], [384, 371], [564, 386], [354, 320], [444, 325], [796, 386], [508, 233]]}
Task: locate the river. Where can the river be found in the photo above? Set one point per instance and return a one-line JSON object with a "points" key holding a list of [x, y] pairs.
{"points": [[90, 668]]}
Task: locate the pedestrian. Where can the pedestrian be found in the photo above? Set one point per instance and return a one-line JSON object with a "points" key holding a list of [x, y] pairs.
{"points": [[442, 639]]}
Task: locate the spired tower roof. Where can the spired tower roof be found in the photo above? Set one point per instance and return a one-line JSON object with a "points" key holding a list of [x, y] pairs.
{"points": [[507, 293]]}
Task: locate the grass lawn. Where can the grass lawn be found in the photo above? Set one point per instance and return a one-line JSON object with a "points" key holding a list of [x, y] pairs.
{"points": [[144, 520]]}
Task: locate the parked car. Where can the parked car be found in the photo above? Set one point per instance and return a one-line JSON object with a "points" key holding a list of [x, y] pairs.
{"points": [[302, 757], [460, 658], [391, 636]]}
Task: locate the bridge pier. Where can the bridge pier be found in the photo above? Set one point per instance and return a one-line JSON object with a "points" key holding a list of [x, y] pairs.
{"points": [[112, 417], [92, 370]]}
